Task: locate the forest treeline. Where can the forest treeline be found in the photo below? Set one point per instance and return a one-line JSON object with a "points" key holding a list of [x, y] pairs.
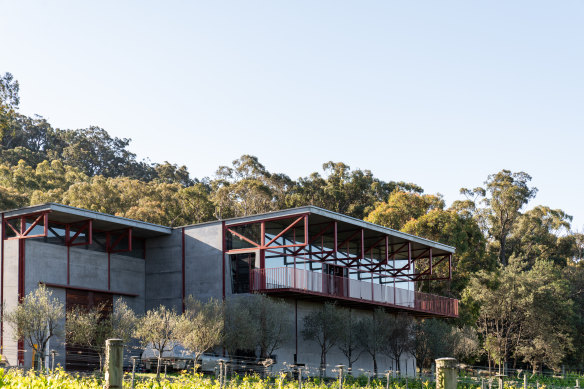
{"points": [[518, 267]]}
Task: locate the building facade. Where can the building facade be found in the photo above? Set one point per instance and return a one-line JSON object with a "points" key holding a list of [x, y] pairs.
{"points": [[304, 255]]}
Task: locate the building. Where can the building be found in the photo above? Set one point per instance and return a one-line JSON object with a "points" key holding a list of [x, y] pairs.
{"points": [[305, 255]]}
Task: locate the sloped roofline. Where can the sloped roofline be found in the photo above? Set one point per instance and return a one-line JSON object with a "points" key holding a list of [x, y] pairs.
{"points": [[86, 213], [342, 218]]}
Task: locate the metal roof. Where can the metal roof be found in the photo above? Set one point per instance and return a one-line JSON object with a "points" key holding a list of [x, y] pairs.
{"points": [[341, 218], [103, 221]]}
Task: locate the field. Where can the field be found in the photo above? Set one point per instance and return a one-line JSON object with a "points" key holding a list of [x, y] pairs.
{"points": [[60, 379]]}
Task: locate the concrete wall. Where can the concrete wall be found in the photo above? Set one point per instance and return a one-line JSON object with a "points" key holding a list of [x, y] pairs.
{"points": [[10, 292], [203, 256], [164, 271], [47, 263]]}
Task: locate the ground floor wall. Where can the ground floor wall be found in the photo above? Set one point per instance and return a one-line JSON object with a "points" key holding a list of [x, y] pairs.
{"points": [[88, 271], [308, 352]]}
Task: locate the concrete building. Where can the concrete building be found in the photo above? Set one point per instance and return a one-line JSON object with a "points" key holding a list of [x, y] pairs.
{"points": [[304, 255]]}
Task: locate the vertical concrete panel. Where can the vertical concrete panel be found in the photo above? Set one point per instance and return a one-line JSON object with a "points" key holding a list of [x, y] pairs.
{"points": [[164, 271], [10, 297], [203, 261]]}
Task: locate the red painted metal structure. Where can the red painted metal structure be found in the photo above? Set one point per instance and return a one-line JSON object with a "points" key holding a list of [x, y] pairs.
{"points": [[339, 260]]}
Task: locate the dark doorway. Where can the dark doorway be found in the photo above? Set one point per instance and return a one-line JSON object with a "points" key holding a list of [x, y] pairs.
{"points": [[77, 357], [241, 267], [335, 280]]}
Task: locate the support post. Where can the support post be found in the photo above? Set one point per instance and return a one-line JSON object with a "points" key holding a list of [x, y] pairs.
{"points": [[340, 367], [114, 352], [134, 370], [446, 373]]}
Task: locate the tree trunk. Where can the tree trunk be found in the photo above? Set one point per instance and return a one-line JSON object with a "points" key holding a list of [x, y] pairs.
{"points": [[502, 256], [158, 367], [322, 362], [374, 364]]}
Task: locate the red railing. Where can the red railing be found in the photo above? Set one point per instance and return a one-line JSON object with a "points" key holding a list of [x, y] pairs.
{"points": [[299, 280]]}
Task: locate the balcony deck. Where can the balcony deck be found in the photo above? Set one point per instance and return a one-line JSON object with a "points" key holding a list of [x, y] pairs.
{"points": [[285, 281]]}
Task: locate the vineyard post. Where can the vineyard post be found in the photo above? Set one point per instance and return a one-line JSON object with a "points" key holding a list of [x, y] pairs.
{"points": [[446, 373], [133, 369], [114, 351], [525, 380], [340, 367]]}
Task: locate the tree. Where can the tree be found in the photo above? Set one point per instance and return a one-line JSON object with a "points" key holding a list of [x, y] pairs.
{"points": [[460, 230], [273, 322], [432, 340], [91, 328], [9, 101], [200, 327], [399, 339], [158, 329], [324, 327], [37, 319], [240, 330], [547, 330], [504, 195], [523, 313], [373, 335], [349, 339], [401, 207]]}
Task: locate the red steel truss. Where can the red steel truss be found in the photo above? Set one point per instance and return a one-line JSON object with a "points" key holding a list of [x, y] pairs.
{"points": [[367, 255]]}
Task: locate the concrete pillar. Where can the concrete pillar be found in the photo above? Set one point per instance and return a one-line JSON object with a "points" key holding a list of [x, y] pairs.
{"points": [[446, 373], [114, 358]]}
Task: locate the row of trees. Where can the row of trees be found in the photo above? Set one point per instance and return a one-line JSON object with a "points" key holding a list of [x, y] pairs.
{"points": [[381, 333], [254, 325]]}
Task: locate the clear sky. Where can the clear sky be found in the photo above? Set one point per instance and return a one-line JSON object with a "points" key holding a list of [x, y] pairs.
{"points": [[440, 93]]}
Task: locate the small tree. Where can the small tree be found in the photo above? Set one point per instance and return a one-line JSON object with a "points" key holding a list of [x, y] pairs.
{"points": [[201, 326], [273, 322], [323, 327], [158, 328], [240, 331], [400, 337], [349, 340], [36, 320], [372, 334], [91, 328]]}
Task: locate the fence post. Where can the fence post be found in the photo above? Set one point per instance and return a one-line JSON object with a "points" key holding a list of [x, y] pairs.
{"points": [[114, 352], [446, 374], [340, 367], [525, 380], [133, 369]]}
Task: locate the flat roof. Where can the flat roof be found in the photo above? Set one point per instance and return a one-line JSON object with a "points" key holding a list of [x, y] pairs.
{"points": [[101, 221]]}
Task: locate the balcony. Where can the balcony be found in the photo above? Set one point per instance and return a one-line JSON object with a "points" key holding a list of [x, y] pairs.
{"points": [[289, 281]]}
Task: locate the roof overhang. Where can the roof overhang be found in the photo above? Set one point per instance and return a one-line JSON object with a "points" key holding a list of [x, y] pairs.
{"points": [[101, 221]]}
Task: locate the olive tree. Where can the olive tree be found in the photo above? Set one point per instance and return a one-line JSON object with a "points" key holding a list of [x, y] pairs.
{"points": [[37, 319], [200, 327], [349, 340], [91, 328], [323, 326], [158, 328]]}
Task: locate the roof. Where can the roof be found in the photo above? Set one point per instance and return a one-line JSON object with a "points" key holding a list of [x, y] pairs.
{"points": [[102, 221], [370, 227]]}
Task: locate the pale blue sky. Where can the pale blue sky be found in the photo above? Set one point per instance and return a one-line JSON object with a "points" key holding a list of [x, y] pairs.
{"points": [[440, 93]]}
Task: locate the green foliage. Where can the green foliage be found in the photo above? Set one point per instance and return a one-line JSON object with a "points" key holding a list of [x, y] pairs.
{"points": [[36, 320]]}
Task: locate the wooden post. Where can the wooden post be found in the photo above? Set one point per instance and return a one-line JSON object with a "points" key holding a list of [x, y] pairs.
{"points": [[114, 353], [446, 373]]}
